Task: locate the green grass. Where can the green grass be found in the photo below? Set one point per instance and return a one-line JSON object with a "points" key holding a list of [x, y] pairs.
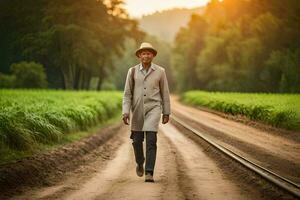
{"points": [[31, 120], [279, 110], [9, 155]]}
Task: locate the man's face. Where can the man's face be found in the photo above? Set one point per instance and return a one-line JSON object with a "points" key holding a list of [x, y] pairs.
{"points": [[146, 56]]}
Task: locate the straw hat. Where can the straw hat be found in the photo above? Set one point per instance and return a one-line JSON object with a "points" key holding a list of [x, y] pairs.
{"points": [[145, 46]]}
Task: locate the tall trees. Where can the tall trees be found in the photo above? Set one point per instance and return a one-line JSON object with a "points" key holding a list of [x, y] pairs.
{"points": [[243, 45], [75, 38], [189, 43]]}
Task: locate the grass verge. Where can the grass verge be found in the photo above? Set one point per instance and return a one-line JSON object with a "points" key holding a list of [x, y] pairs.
{"points": [[279, 110]]}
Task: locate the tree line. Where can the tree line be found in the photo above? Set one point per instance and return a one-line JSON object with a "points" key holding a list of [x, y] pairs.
{"points": [[240, 45], [75, 41]]}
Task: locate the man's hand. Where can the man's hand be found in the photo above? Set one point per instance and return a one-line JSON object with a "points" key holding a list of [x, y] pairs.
{"points": [[165, 119], [126, 118]]}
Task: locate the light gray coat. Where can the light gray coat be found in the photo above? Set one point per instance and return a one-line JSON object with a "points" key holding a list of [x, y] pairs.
{"points": [[151, 98]]}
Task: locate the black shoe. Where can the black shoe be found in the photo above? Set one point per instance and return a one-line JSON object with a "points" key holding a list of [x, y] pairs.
{"points": [[139, 170]]}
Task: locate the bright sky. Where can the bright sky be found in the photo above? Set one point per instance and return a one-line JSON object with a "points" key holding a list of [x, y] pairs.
{"points": [[137, 8]]}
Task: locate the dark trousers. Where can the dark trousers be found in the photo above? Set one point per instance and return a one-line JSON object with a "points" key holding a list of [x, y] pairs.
{"points": [[151, 138]]}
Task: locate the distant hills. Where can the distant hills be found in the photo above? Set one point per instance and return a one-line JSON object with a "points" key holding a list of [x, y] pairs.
{"points": [[165, 24]]}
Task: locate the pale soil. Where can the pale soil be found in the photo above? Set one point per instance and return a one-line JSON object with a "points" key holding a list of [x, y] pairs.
{"points": [[202, 178], [182, 171], [280, 153]]}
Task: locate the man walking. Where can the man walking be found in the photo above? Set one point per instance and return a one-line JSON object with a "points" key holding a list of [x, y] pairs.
{"points": [[146, 95]]}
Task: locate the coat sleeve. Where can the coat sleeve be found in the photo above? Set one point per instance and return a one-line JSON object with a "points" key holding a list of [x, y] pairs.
{"points": [[165, 95], [126, 104]]}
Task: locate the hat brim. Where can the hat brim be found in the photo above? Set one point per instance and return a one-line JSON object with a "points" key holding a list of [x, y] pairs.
{"points": [[147, 48]]}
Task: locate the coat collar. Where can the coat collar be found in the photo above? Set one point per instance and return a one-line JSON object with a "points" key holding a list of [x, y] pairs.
{"points": [[152, 66]]}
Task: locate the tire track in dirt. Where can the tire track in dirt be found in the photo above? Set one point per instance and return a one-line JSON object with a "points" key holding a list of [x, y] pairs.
{"points": [[275, 152], [200, 176], [183, 170]]}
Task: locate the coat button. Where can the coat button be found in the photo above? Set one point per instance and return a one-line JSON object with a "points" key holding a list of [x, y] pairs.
{"points": [[145, 88], [144, 95]]}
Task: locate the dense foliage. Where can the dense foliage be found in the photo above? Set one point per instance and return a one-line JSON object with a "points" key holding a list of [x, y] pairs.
{"points": [[30, 117], [74, 40], [281, 110], [241, 45], [24, 75]]}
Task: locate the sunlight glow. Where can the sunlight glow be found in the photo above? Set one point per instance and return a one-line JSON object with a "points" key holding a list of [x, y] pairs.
{"points": [[137, 8]]}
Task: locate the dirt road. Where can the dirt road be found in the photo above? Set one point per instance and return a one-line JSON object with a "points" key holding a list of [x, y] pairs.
{"points": [[184, 169], [279, 152]]}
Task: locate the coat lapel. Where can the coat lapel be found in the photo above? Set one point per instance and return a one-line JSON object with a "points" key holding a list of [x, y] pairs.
{"points": [[152, 68]]}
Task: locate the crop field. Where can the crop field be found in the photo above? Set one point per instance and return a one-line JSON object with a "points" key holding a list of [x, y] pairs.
{"points": [[32, 117], [280, 110]]}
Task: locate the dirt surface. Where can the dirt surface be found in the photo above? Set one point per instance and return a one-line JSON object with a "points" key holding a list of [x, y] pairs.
{"points": [[46, 168], [182, 171], [275, 151], [103, 167]]}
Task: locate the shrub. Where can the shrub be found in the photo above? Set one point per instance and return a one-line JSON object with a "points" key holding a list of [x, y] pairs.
{"points": [[29, 75]]}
